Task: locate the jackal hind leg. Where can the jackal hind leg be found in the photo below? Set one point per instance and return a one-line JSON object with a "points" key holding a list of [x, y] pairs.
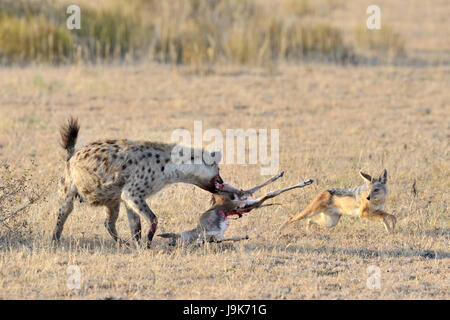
{"points": [[65, 208], [112, 214], [135, 224], [326, 218], [138, 205]]}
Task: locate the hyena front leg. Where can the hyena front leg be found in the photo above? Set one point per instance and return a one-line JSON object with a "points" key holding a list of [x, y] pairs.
{"points": [[65, 208], [138, 205], [135, 224]]}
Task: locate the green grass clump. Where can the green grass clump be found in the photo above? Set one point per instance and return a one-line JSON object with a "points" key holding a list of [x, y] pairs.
{"points": [[110, 34], [33, 39]]}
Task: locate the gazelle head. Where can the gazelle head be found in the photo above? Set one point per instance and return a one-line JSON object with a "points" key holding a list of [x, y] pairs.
{"points": [[377, 187]]}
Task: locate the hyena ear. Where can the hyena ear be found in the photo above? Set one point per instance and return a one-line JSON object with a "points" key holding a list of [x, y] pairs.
{"points": [[383, 177], [366, 176], [217, 156]]}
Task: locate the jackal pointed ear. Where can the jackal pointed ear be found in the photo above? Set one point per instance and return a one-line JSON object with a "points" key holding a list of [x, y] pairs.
{"points": [[217, 156], [383, 177], [366, 177]]}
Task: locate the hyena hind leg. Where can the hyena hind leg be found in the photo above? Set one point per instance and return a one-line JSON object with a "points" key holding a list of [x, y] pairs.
{"points": [[112, 212], [65, 208]]}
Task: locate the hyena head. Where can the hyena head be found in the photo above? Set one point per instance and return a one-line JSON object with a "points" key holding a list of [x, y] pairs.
{"points": [[200, 168], [377, 187]]}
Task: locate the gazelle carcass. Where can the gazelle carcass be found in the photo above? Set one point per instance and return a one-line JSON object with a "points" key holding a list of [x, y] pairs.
{"points": [[230, 201]]}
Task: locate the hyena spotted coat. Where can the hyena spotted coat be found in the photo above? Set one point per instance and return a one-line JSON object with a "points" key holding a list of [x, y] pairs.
{"points": [[108, 172]]}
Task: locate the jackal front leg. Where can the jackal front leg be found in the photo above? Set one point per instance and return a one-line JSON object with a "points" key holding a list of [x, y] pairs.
{"points": [[384, 217]]}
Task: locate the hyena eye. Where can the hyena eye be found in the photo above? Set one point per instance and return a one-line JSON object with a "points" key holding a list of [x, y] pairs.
{"points": [[376, 190]]}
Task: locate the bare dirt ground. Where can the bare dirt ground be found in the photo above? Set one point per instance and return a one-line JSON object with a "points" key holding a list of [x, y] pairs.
{"points": [[333, 121]]}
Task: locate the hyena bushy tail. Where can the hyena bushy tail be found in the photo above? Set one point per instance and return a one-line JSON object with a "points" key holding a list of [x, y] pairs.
{"points": [[69, 135]]}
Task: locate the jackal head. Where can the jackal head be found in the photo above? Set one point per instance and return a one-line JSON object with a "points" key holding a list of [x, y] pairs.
{"points": [[377, 187]]}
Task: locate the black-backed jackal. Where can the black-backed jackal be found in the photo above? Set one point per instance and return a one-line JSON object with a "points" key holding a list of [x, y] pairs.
{"points": [[366, 201]]}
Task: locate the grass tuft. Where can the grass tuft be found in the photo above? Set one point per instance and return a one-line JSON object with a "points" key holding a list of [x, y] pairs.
{"points": [[197, 33]]}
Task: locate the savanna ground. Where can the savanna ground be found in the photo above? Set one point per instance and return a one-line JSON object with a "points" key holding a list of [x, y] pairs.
{"points": [[333, 121]]}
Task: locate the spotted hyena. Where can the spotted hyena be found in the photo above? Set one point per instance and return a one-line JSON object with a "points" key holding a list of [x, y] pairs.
{"points": [[108, 172]]}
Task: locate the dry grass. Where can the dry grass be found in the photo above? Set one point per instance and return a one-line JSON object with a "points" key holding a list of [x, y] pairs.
{"points": [[332, 120]]}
